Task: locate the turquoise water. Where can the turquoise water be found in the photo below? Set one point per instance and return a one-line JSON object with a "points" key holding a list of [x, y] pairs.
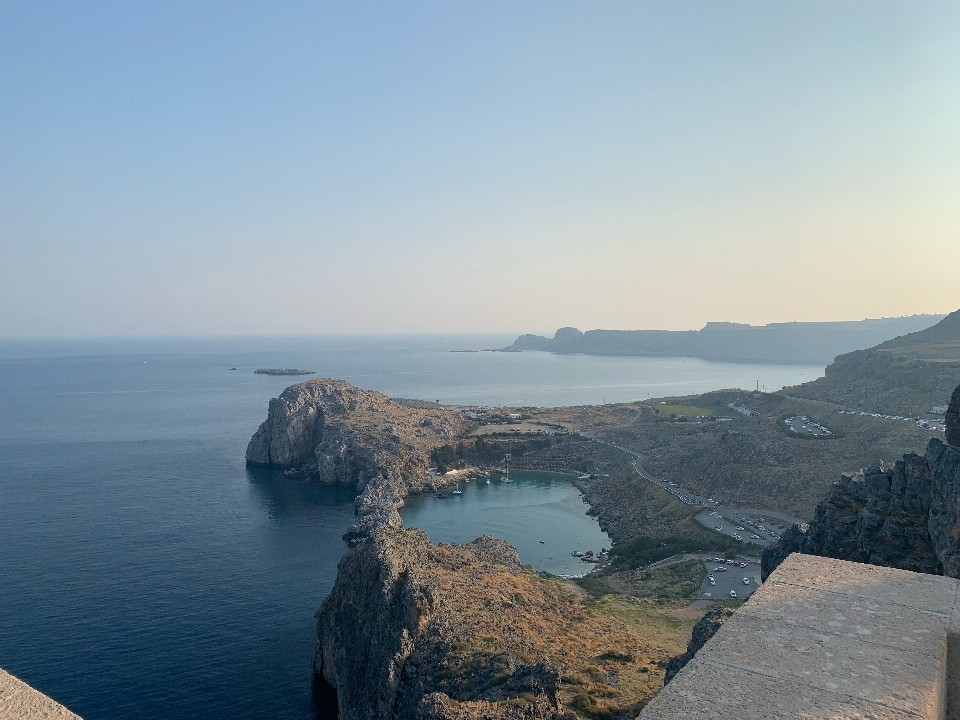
{"points": [[533, 507]]}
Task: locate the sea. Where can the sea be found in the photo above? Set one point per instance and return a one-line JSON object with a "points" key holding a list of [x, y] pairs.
{"points": [[146, 572]]}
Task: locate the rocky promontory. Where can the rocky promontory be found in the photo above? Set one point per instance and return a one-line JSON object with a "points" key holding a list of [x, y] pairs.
{"points": [[412, 630], [358, 438], [905, 516]]}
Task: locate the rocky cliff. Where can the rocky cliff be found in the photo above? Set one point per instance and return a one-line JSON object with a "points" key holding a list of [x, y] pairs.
{"points": [[705, 629], [906, 375], [413, 630], [359, 438], [906, 516]]}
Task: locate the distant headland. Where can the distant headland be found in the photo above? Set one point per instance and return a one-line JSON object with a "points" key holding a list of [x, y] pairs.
{"points": [[815, 343], [282, 371]]}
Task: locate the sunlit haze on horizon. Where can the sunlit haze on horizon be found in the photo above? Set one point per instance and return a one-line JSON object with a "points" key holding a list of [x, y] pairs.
{"points": [[192, 168]]}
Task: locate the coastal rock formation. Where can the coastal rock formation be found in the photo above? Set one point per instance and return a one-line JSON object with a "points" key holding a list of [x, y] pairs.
{"points": [[359, 438], [733, 342], [907, 516], [413, 630], [705, 629], [906, 375]]}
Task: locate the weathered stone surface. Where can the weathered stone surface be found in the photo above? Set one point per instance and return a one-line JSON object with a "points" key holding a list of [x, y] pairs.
{"points": [[944, 521], [19, 701], [953, 419], [705, 629], [359, 438], [824, 638]]}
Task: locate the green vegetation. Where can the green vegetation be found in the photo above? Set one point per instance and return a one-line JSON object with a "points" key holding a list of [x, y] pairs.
{"points": [[672, 583], [643, 551], [691, 411], [483, 451]]}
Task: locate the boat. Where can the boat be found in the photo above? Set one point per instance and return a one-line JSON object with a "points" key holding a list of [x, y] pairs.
{"points": [[488, 481], [458, 491], [540, 541], [506, 479]]}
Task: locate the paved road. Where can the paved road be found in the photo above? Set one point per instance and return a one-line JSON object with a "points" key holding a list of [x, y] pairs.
{"points": [[727, 519]]}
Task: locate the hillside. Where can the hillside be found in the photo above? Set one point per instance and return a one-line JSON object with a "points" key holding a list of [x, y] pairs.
{"points": [[903, 376], [414, 631], [801, 343]]}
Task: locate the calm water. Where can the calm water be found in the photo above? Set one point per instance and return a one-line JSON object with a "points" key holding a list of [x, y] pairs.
{"points": [[144, 572], [533, 507]]}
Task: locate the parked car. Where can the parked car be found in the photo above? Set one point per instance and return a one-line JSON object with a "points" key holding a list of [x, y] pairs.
{"points": [[733, 593], [746, 581]]}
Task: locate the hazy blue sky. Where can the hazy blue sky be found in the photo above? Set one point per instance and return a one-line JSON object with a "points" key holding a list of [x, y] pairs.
{"points": [[281, 167]]}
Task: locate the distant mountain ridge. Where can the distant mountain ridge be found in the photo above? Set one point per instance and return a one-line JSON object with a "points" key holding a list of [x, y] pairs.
{"points": [[796, 342]]}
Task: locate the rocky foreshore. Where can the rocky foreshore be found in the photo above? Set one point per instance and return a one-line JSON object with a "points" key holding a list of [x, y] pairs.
{"points": [[359, 438]]}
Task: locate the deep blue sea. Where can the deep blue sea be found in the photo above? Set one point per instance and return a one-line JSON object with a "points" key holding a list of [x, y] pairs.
{"points": [[145, 572]]}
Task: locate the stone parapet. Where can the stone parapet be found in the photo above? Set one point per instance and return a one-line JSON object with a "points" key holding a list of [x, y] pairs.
{"points": [[825, 638], [19, 701]]}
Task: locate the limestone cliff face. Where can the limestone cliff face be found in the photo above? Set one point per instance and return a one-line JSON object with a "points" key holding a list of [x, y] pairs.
{"points": [[907, 516], [464, 632], [359, 438], [385, 633]]}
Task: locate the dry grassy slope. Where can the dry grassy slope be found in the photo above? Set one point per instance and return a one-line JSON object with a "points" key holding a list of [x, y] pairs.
{"points": [[903, 376], [469, 622], [749, 462]]}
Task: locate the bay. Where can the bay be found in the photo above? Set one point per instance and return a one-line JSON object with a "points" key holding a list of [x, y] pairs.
{"points": [[145, 572]]}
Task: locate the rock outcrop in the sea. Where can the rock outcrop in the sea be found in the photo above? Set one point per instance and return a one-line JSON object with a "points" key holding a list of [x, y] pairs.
{"points": [[417, 631], [359, 438], [906, 516], [705, 629]]}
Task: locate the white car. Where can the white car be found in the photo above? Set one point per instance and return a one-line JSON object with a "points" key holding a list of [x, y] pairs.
{"points": [[733, 593], [712, 580], [755, 537], [729, 562], [717, 527], [740, 528], [720, 568], [746, 581]]}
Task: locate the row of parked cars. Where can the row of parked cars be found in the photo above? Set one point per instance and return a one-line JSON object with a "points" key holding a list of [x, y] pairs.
{"points": [[723, 568]]}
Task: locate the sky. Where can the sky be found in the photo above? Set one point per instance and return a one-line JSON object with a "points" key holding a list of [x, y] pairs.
{"points": [[225, 168]]}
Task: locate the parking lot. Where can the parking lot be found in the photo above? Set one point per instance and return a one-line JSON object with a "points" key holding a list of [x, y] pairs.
{"points": [[805, 426], [730, 578]]}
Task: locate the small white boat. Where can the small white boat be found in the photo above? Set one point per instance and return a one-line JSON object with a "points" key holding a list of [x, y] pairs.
{"points": [[458, 491], [488, 481]]}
